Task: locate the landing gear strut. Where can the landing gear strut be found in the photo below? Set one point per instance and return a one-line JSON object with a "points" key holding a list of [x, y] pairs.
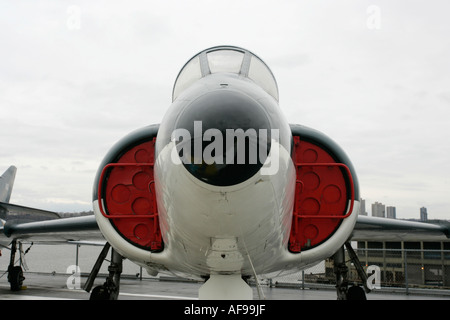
{"points": [[15, 273], [110, 289], [341, 271]]}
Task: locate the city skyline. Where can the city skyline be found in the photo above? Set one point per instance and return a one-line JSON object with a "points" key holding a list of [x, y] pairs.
{"points": [[379, 209]]}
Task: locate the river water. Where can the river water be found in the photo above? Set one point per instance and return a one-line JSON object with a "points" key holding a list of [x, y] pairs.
{"points": [[59, 258]]}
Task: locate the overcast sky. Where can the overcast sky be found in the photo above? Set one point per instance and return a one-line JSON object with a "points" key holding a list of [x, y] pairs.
{"points": [[77, 76]]}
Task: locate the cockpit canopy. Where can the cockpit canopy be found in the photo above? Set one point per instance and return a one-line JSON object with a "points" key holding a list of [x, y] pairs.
{"points": [[226, 59]]}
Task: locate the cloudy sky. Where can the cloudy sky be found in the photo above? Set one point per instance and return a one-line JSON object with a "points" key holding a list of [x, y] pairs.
{"points": [[374, 75]]}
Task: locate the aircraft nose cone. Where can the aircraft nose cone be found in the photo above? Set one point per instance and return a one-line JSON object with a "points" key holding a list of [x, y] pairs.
{"points": [[223, 137]]}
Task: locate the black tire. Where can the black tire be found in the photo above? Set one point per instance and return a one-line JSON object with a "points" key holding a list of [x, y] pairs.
{"points": [[15, 278], [99, 293], [356, 293]]}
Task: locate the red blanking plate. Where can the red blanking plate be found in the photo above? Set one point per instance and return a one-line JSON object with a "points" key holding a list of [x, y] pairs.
{"points": [[130, 199], [321, 196]]}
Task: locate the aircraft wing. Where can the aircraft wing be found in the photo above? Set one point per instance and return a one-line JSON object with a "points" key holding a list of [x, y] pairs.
{"points": [[20, 214], [20, 222], [60, 230], [366, 228], [385, 229]]}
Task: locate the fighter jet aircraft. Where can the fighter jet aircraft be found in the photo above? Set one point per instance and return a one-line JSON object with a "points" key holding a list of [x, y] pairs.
{"points": [[223, 189]]}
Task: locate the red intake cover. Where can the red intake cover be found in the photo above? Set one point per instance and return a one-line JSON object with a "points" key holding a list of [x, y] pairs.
{"points": [[321, 193], [130, 200]]}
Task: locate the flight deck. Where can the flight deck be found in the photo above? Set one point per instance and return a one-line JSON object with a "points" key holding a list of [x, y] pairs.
{"points": [[44, 286]]}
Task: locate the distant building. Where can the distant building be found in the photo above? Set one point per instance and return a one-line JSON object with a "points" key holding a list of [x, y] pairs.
{"points": [[378, 210], [419, 264], [423, 214], [391, 213], [362, 210]]}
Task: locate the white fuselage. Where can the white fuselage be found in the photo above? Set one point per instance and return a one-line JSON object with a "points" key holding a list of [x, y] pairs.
{"points": [[210, 229], [230, 218]]}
